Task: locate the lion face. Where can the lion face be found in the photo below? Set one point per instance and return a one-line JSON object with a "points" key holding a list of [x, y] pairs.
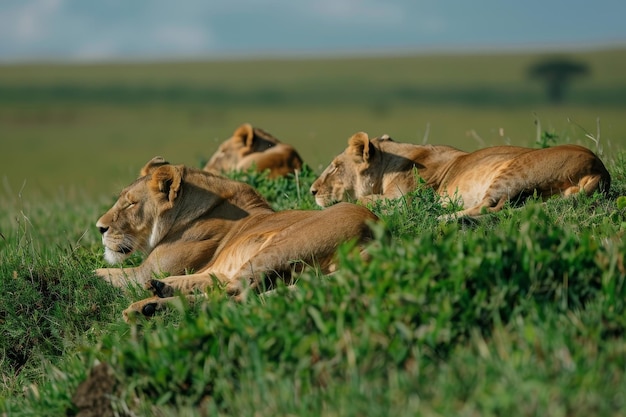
{"points": [[350, 175], [336, 182], [126, 226], [131, 224]]}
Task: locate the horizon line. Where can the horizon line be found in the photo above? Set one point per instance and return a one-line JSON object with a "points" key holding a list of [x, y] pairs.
{"points": [[290, 54]]}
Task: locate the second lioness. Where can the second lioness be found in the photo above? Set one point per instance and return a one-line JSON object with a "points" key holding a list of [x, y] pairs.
{"points": [[185, 219], [481, 181], [250, 147]]}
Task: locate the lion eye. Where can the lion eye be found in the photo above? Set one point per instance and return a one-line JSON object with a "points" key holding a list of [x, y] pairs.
{"points": [[130, 205]]}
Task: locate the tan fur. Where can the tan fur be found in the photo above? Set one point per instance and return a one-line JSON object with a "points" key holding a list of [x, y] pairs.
{"points": [[253, 147], [186, 219], [482, 181]]}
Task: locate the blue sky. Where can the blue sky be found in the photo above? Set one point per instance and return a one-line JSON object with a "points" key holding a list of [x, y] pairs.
{"points": [[149, 29]]}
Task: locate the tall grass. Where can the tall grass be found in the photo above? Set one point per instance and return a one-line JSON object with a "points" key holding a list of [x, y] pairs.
{"points": [[521, 313]]}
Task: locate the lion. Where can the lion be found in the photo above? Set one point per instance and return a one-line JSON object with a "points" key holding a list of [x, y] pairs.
{"points": [[253, 147], [481, 181], [185, 219]]}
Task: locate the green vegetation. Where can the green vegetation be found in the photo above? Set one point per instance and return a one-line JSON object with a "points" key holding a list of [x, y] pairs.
{"points": [[519, 313]]}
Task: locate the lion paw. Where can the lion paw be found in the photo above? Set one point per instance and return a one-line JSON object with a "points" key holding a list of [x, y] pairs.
{"points": [[113, 276], [149, 309], [160, 289], [145, 308]]}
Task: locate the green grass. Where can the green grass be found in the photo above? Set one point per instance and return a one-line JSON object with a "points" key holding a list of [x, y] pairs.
{"points": [[521, 313]]}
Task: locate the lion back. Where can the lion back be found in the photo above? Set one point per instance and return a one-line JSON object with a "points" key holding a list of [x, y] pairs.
{"points": [[253, 147]]}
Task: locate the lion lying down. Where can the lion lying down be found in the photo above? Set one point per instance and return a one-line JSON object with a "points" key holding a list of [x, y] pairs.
{"points": [[186, 219], [253, 147], [481, 181]]}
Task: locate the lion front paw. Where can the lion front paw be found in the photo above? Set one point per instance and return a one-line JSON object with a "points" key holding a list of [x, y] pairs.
{"points": [[160, 289], [143, 308], [112, 276]]}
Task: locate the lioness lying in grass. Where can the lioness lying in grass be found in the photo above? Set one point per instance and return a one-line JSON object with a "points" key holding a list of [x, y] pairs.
{"points": [[187, 219], [254, 147], [481, 181]]}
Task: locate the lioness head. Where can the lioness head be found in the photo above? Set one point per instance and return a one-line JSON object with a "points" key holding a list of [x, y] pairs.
{"points": [[352, 174], [131, 224], [245, 141]]}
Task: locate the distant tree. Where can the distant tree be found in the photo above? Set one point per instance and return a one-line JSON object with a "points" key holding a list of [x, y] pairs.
{"points": [[557, 73]]}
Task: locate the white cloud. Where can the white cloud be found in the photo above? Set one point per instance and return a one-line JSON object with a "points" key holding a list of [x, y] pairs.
{"points": [[28, 22], [150, 42], [85, 29], [174, 41]]}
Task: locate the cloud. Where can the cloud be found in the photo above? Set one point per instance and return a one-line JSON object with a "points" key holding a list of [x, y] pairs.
{"points": [[151, 42], [28, 22], [83, 29], [76, 29]]}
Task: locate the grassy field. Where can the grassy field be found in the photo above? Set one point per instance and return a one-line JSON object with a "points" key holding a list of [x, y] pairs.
{"points": [[93, 126], [520, 314]]}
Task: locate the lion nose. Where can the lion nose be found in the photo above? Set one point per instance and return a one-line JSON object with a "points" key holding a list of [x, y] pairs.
{"points": [[313, 191], [103, 229]]}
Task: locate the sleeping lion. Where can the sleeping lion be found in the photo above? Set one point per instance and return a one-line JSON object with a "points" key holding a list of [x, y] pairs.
{"points": [[481, 181], [253, 147], [186, 219]]}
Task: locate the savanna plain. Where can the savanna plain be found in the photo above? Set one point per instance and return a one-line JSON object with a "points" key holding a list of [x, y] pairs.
{"points": [[518, 313]]}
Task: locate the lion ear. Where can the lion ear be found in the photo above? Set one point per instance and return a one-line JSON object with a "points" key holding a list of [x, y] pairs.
{"points": [[246, 133], [360, 146], [154, 163], [166, 181]]}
